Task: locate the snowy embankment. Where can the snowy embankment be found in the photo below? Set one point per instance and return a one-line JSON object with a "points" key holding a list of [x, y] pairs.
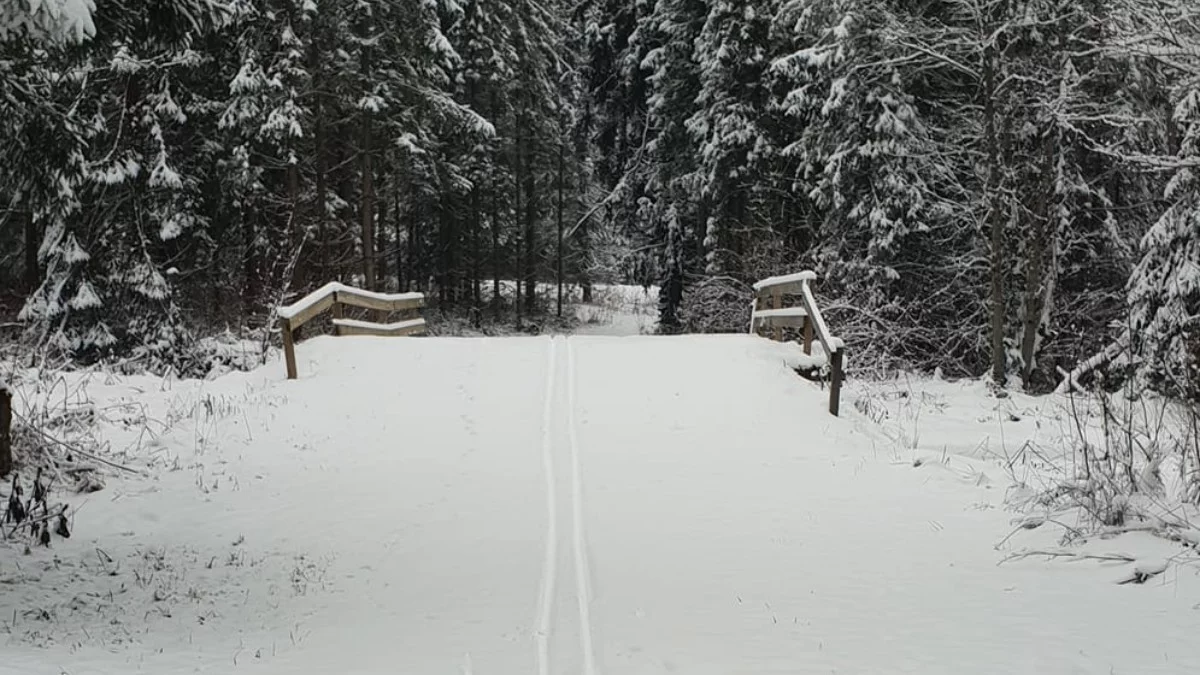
{"points": [[574, 505]]}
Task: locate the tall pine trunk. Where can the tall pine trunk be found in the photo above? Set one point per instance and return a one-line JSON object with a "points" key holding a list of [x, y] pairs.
{"points": [[381, 236], [994, 214], [518, 185], [32, 243], [367, 203], [530, 236], [322, 186], [495, 228], [559, 254], [400, 287]]}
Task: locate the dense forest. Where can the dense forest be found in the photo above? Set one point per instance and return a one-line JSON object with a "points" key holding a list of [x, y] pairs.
{"points": [[1000, 186]]}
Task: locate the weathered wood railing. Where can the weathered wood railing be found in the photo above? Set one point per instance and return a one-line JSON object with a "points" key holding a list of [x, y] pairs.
{"points": [[768, 312], [333, 296]]}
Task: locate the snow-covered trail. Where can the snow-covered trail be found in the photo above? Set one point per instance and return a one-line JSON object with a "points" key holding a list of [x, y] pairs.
{"points": [[778, 540], [574, 506]]}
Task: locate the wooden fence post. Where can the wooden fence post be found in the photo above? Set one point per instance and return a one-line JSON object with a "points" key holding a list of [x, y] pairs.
{"points": [[835, 381], [6, 460], [777, 303], [337, 314], [808, 334], [289, 347]]}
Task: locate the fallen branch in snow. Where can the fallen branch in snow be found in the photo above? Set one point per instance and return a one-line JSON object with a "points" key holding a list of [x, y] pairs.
{"points": [[75, 449], [1034, 522], [1064, 553], [1071, 380]]}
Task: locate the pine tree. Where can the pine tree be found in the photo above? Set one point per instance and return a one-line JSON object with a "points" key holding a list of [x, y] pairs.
{"points": [[47, 21], [1164, 287], [674, 81]]}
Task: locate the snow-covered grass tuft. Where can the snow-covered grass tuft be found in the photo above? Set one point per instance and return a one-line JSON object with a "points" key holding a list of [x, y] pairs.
{"points": [[1079, 469]]}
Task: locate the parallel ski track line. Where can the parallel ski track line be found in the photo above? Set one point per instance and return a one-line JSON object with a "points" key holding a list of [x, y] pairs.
{"points": [[550, 563], [582, 566]]}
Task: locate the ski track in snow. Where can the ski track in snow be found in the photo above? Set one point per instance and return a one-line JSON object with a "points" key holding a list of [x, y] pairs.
{"points": [[582, 568], [549, 584], [550, 565]]}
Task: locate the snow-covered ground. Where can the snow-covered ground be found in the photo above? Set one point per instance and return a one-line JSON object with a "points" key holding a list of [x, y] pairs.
{"points": [[583, 505], [618, 310]]}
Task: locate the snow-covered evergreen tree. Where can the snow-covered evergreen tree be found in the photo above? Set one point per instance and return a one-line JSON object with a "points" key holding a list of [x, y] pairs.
{"points": [[47, 21], [1164, 288], [674, 81]]}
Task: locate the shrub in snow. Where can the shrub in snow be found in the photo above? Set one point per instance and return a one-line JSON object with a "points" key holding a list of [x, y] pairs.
{"points": [[716, 305], [28, 512], [1135, 461]]}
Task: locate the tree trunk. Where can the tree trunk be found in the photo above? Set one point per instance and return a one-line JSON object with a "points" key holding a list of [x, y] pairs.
{"points": [[995, 215], [381, 232], [559, 256], [399, 238], [1035, 269], [476, 251], [518, 184], [530, 237], [367, 206], [443, 242], [295, 231], [32, 243], [495, 227], [319, 156], [582, 239], [414, 275]]}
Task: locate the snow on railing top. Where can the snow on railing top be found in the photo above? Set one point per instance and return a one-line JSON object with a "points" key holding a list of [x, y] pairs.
{"points": [[806, 275], [316, 297], [782, 311]]}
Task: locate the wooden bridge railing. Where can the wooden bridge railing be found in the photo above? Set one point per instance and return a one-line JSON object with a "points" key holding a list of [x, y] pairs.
{"points": [[768, 312], [333, 296]]}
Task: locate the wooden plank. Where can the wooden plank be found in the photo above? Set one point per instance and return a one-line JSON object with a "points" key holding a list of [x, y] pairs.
{"points": [[823, 334], [363, 328], [808, 335], [777, 303], [835, 382], [349, 297], [778, 322], [311, 311], [289, 348], [782, 311], [6, 460]]}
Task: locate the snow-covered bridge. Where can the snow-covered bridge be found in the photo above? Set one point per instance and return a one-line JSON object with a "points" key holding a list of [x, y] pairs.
{"points": [[562, 505]]}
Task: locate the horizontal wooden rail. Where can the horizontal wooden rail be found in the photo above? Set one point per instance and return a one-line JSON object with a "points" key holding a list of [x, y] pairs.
{"points": [[768, 312], [333, 296]]}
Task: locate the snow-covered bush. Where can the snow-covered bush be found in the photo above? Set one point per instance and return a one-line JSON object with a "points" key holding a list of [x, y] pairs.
{"points": [[1134, 462], [716, 305]]}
